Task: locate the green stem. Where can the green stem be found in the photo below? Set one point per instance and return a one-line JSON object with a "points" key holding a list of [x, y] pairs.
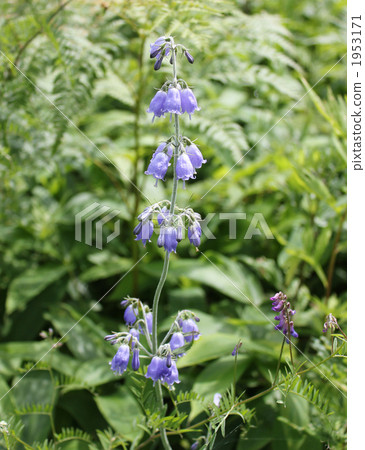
{"points": [[165, 268], [278, 366]]}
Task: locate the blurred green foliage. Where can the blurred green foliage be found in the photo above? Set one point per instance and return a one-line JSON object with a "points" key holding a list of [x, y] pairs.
{"points": [[73, 131]]}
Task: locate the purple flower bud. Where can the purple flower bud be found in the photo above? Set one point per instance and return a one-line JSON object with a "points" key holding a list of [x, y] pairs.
{"points": [[177, 341], [144, 231], [189, 57], [236, 348], [168, 239], [156, 46], [120, 361], [195, 156], [168, 360], [158, 166], [179, 234], [157, 103], [172, 103], [194, 234], [135, 359], [188, 102], [134, 334], [217, 399], [184, 168], [130, 315], [194, 446], [189, 326], [158, 63]]}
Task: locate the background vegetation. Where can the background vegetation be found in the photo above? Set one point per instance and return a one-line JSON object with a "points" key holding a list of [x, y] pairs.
{"points": [[73, 131]]}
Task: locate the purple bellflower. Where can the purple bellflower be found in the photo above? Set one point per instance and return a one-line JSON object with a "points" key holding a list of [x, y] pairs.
{"points": [[177, 341], [130, 315], [189, 326], [194, 234], [158, 370], [173, 376], [195, 156], [144, 231], [157, 104], [120, 361], [158, 166], [168, 239], [184, 168], [188, 102], [164, 147], [172, 103]]}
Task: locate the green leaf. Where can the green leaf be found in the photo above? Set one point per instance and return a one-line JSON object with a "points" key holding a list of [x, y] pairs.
{"points": [[29, 284], [122, 411]]}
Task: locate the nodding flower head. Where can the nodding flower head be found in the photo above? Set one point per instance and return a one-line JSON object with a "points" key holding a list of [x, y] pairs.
{"points": [[285, 325], [195, 156], [177, 341], [120, 361], [331, 323], [188, 102], [158, 50], [130, 315], [164, 147], [158, 369], [158, 165], [194, 234], [190, 329], [184, 168], [157, 104], [144, 231], [168, 238], [172, 103]]}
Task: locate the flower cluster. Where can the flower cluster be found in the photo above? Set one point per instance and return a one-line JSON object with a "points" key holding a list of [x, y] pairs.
{"points": [[162, 365], [188, 159], [162, 47], [173, 99], [280, 304], [172, 226], [331, 323]]}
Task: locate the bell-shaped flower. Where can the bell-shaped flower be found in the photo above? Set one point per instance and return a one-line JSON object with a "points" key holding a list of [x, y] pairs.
{"points": [[184, 168], [157, 104], [144, 231], [168, 149], [188, 102], [145, 214], [135, 359], [190, 330], [168, 239], [157, 369], [194, 234], [172, 103], [195, 156], [173, 375], [130, 315], [120, 361], [177, 340], [158, 166]]}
